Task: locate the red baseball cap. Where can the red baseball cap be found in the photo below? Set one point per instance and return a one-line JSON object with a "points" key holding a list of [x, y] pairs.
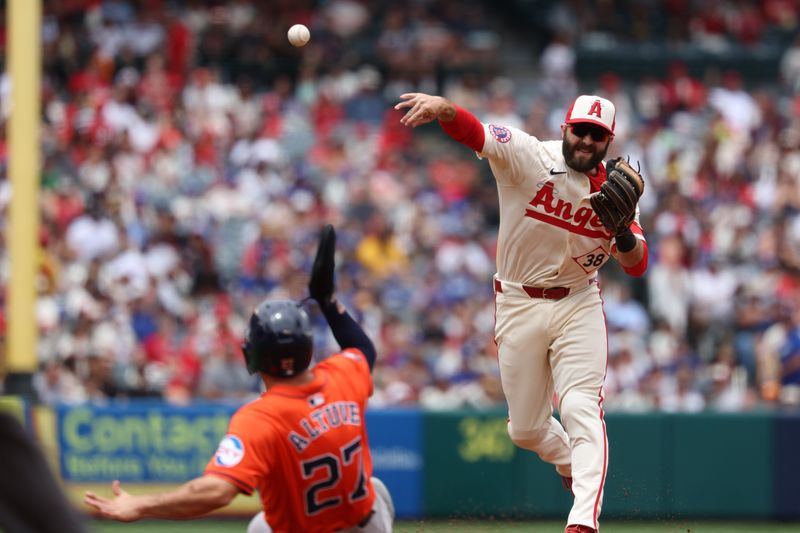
{"points": [[594, 110]]}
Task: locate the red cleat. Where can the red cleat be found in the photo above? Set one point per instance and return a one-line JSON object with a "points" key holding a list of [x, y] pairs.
{"points": [[579, 528]]}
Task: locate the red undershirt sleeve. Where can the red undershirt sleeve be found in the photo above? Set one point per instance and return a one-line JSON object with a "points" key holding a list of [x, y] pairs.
{"points": [[639, 268], [466, 129]]}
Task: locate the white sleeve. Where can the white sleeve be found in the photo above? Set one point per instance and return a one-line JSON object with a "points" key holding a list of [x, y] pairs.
{"points": [[512, 153]]}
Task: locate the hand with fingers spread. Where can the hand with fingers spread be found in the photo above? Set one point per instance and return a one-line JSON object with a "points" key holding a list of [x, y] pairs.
{"points": [[424, 108], [123, 507]]}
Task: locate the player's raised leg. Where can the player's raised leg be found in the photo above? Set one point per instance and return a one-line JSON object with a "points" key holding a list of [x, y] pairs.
{"points": [[526, 378], [579, 362]]}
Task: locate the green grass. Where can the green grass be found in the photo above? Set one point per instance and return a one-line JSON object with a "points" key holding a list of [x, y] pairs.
{"points": [[453, 526]]}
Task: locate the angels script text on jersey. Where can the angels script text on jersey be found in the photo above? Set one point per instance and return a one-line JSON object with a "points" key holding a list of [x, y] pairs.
{"points": [[559, 212]]}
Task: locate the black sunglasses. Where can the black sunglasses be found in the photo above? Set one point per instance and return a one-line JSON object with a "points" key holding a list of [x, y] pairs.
{"points": [[582, 128]]}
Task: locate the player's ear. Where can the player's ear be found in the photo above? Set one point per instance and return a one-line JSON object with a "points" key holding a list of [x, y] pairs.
{"points": [[563, 128]]}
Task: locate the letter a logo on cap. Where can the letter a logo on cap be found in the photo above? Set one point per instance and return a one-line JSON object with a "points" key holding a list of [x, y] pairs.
{"points": [[594, 110]]}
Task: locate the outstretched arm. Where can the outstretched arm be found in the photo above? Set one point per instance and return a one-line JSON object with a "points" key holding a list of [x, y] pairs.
{"points": [[321, 288], [192, 499], [457, 122], [347, 332]]}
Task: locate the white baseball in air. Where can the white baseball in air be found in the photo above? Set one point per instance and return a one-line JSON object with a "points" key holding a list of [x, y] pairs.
{"points": [[299, 35]]}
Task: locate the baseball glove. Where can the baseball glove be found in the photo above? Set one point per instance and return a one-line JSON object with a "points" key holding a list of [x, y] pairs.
{"points": [[320, 285], [615, 202]]}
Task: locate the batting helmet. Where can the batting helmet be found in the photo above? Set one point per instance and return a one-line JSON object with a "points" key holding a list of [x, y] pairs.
{"points": [[279, 339]]}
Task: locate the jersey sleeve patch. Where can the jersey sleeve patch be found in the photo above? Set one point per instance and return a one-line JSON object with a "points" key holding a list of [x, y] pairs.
{"points": [[500, 133], [230, 451]]}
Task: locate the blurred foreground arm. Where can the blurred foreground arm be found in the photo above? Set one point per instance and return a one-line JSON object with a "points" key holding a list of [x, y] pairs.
{"points": [[31, 500]]}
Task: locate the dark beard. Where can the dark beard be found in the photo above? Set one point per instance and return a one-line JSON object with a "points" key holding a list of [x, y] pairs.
{"points": [[568, 151]]}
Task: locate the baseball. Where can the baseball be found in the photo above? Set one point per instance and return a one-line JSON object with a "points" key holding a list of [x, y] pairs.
{"points": [[299, 35]]}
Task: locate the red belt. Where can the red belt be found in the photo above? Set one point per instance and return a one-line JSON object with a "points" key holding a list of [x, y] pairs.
{"points": [[548, 293]]}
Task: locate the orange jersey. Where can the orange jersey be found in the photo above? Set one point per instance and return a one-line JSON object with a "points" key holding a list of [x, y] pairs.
{"points": [[305, 449]]}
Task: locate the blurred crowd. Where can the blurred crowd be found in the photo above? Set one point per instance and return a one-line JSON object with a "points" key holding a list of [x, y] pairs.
{"points": [[718, 25], [191, 155]]}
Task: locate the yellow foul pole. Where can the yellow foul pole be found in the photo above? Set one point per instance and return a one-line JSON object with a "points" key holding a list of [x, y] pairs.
{"points": [[23, 20]]}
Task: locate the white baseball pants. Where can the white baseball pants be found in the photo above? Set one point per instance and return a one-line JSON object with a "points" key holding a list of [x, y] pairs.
{"points": [[547, 346]]}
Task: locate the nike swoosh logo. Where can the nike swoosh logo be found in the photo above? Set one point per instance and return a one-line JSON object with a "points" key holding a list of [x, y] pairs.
{"points": [[553, 172]]}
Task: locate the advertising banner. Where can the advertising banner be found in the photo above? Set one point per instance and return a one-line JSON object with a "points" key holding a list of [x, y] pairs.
{"points": [[138, 442], [473, 469], [395, 437], [462, 463]]}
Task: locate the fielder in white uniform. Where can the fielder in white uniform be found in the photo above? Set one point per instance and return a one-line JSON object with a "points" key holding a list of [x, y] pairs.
{"points": [[550, 328]]}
